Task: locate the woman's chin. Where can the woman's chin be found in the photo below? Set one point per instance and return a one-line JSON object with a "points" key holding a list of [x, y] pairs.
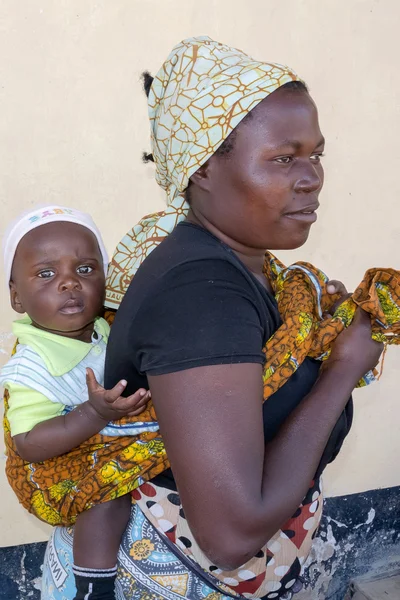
{"points": [[292, 244]]}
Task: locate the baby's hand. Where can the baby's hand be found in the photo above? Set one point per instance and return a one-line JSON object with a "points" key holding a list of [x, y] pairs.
{"points": [[109, 404]]}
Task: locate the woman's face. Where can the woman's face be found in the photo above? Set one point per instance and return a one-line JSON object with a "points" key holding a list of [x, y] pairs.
{"points": [[264, 192]]}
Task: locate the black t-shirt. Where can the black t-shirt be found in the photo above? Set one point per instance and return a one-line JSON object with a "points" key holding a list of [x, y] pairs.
{"points": [[193, 303]]}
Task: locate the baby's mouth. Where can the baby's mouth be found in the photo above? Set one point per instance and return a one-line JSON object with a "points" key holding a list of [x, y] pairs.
{"points": [[72, 306]]}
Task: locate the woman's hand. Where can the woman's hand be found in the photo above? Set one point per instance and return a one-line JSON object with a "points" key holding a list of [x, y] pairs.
{"points": [[354, 349], [355, 346], [334, 287]]}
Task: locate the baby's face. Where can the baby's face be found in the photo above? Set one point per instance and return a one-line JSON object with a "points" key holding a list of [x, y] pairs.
{"points": [[58, 278]]}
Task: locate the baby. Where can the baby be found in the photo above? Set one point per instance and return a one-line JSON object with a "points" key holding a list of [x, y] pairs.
{"points": [[56, 263]]}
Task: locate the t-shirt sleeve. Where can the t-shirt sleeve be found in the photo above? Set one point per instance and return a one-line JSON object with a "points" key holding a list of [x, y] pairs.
{"points": [[27, 408], [201, 313]]}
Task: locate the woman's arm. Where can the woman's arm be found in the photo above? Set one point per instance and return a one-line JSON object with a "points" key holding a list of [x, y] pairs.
{"points": [[235, 491]]}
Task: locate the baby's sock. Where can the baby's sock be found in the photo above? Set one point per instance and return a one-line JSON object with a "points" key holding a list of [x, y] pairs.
{"points": [[95, 584]]}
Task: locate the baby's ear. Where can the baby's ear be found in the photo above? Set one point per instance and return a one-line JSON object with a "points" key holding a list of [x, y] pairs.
{"points": [[14, 298]]}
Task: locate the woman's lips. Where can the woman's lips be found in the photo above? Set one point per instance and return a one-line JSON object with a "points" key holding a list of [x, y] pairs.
{"points": [[72, 306], [306, 215]]}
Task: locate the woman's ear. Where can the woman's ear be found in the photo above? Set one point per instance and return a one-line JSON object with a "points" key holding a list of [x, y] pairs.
{"points": [[15, 300], [201, 177]]}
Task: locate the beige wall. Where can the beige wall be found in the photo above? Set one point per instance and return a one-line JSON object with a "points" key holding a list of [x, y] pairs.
{"points": [[73, 125]]}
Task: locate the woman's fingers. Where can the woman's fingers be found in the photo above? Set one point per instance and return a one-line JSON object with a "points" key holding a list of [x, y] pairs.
{"points": [[334, 286]]}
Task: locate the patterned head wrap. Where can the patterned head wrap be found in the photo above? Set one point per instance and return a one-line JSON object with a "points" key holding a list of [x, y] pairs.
{"points": [[201, 93]]}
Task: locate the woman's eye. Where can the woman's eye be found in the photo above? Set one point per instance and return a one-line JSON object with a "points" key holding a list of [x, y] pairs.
{"points": [[316, 157], [84, 270], [284, 160], [46, 274]]}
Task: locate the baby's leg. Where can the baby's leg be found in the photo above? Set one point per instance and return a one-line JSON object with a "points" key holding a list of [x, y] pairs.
{"points": [[97, 536]]}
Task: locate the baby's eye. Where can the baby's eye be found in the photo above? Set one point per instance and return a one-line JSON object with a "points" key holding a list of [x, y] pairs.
{"points": [[46, 274], [84, 270], [284, 160]]}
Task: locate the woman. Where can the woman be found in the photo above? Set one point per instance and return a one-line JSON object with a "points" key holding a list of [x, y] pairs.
{"points": [[237, 147]]}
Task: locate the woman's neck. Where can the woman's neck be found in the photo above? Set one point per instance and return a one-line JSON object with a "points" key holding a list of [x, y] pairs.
{"points": [[252, 258]]}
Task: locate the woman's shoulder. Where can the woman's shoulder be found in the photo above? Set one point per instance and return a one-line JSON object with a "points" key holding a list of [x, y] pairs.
{"points": [[191, 267], [191, 249]]}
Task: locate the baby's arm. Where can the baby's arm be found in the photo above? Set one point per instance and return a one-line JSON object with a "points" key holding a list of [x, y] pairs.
{"points": [[61, 434]]}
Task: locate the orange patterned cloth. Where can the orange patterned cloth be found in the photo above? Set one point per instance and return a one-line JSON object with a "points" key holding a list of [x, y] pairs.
{"points": [[101, 469], [308, 328], [104, 468]]}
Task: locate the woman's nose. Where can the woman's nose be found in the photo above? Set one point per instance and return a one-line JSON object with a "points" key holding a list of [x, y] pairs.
{"points": [[310, 179]]}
